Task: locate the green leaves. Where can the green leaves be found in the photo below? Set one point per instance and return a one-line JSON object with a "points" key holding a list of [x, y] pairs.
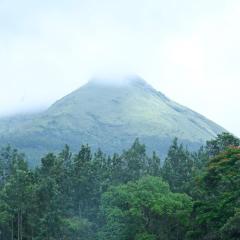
{"points": [[221, 143], [231, 229], [142, 206], [145, 236], [121, 197], [178, 168], [220, 195]]}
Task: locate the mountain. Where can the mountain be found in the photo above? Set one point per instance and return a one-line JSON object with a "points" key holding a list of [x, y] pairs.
{"points": [[109, 116]]}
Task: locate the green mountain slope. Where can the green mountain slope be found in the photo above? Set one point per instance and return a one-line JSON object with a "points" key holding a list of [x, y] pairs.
{"points": [[111, 117]]}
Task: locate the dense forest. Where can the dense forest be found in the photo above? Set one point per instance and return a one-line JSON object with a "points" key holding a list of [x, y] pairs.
{"points": [[127, 196]]}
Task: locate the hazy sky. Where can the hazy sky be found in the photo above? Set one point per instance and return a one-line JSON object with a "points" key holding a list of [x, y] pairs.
{"points": [[188, 49]]}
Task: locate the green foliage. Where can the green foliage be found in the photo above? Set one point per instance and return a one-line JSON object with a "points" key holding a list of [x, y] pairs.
{"points": [[219, 195], [77, 228], [93, 196], [141, 209], [16, 191], [145, 236], [221, 143], [178, 168], [134, 164], [108, 117], [231, 229]]}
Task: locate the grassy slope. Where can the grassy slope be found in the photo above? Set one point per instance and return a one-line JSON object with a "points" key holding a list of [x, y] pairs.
{"points": [[110, 117]]}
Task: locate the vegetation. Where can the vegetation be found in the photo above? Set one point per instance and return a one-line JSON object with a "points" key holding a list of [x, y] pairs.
{"points": [[216, 209], [145, 209], [109, 117], [128, 196]]}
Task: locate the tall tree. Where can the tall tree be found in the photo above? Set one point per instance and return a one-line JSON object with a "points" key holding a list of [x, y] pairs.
{"points": [[8, 156], [221, 143], [16, 200], [83, 181], [178, 168], [154, 165], [218, 198], [145, 209], [48, 194], [135, 161]]}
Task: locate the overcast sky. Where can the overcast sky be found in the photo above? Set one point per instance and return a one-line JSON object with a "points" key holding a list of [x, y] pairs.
{"points": [[187, 49]]}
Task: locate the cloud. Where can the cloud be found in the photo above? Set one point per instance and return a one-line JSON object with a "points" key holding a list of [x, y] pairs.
{"points": [[187, 49]]}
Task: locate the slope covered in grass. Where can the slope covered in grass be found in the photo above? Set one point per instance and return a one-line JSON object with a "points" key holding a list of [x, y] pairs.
{"points": [[109, 116]]}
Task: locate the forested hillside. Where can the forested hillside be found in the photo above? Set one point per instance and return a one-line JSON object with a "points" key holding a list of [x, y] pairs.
{"points": [[127, 196]]}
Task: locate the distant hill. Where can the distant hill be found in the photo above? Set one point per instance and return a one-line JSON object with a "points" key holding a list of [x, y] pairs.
{"points": [[109, 116]]}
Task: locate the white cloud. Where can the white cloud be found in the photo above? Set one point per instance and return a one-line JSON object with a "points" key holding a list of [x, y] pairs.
{"points": [[187, 49]]}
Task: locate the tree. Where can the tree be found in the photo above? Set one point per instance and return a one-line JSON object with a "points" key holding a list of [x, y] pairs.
{"points": [[154, 165], [178, 168], [48, 193], [135, 162], [88, 178], [8, 156], [218, 197], [231, 229], [16, 200], [144, 209], [221, 143], [117, 168]]}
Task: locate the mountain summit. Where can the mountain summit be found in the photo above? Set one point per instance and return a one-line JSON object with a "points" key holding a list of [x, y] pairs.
{"points": [[109, 115]]}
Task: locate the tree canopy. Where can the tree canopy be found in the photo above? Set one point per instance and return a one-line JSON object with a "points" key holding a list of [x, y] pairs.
{"points": [[128, 196]]}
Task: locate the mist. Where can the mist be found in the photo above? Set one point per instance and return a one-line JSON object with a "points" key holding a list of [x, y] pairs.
{"points": [[186, 49]]}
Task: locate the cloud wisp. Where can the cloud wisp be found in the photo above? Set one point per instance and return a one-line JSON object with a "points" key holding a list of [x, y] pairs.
{"points": [[187, 50]]}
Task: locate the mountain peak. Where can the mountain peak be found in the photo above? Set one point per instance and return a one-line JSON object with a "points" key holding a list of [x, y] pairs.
{"points": [[109, 112]]}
